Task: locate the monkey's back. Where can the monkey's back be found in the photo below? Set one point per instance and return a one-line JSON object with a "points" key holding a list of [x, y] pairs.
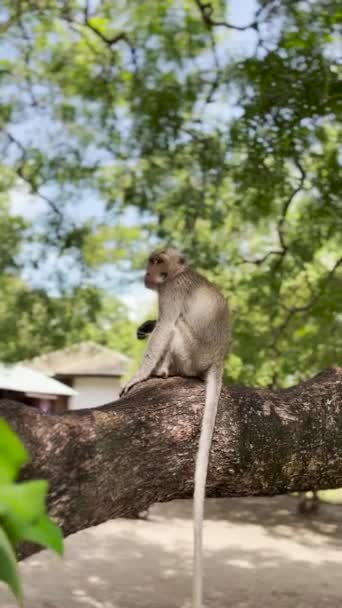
{"points": [[202, 330]]}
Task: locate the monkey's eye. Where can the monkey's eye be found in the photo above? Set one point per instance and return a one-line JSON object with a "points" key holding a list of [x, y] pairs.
{"points": [[159, 261]]}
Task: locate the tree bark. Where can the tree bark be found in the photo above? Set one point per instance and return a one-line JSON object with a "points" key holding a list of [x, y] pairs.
{"points": [[116, 460]]}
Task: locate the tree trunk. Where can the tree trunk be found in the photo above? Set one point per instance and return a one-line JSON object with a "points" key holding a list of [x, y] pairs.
{"points": [[116, 460]]}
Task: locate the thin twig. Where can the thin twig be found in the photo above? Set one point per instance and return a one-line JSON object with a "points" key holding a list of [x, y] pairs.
{"points": [[306, 307], [19, 170], [206, 11]]}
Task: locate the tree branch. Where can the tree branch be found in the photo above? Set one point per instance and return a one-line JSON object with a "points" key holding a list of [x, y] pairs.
{"points": [[19, 170], [260, 261], [109, 41], [206, 11], [288, 202], [117, 460], [282, 219], [280, 225], [315, 298]]}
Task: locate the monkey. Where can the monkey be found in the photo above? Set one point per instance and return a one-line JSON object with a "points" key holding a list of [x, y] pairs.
{"points": [[190, 338]]}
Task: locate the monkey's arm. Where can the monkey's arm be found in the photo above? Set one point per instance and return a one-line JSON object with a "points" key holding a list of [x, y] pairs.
{"points": [[145, 328], [157, 347]]}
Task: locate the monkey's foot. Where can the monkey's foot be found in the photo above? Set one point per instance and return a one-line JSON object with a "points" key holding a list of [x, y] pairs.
{"points": [[132, 382]]}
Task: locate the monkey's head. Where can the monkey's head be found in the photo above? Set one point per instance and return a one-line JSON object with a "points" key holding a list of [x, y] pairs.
{"points": [[162, 266]]}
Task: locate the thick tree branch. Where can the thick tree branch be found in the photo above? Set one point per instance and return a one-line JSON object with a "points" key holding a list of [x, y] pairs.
{"points": [[116, 460]]}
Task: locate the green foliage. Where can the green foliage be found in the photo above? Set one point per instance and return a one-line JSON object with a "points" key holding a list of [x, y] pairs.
{"points": [[232, 155], [32, 322], [22, 510], [11, 233]]}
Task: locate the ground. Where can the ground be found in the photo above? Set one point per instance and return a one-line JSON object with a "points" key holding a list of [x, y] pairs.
{"points": [[259, 554]]}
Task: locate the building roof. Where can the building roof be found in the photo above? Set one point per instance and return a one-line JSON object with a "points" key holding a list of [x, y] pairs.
{"points": [[24, 380], [84, 359]]}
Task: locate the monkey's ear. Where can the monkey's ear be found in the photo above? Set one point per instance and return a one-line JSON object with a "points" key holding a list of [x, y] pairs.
{"points": [[181, 260]]}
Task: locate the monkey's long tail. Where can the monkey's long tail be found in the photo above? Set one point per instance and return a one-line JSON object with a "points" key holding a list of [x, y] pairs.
{"points": [[213, 389]]}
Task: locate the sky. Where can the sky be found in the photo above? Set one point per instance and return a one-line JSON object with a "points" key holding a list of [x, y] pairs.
{"points": [[89, 205], [241, 11]]}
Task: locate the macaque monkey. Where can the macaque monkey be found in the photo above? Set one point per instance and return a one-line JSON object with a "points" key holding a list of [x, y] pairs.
{"points": [[190, 338]]}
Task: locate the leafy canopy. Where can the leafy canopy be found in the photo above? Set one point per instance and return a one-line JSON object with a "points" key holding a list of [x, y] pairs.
{"points": [[174, 123]]}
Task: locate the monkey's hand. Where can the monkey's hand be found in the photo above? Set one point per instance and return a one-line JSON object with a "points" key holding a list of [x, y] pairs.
{"points": [[145, 328], [138, 377]]}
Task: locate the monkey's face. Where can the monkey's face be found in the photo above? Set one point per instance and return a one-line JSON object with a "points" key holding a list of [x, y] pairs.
{"points": [[162, 266]]}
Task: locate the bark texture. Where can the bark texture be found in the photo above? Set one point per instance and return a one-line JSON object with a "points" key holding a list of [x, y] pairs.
{"points": [[116, 460]]}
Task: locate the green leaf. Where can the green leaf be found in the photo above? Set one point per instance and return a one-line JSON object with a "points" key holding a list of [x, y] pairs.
{"points": [[8, 567], [44, 532], [12, 453], [98, 23], [24, 502]]}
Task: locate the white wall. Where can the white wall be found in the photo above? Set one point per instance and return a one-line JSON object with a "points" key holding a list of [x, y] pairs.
{"points": [[94, 391]]}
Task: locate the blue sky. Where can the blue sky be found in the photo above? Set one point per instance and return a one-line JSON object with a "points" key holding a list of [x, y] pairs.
{"points": [[241, 11]]}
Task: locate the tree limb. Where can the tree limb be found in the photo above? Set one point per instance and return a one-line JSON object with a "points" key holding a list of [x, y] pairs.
{"points": [[206, 10], [19, 170], [294, 310], [116, 460], [288, 202], [110, 41], [330, 275]]}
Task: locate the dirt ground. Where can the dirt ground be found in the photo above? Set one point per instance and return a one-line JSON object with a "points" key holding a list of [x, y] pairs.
{"points": [[259, 554]]}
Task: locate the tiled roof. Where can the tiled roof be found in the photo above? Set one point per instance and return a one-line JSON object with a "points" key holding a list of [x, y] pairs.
{"points": [[84, 359]]}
